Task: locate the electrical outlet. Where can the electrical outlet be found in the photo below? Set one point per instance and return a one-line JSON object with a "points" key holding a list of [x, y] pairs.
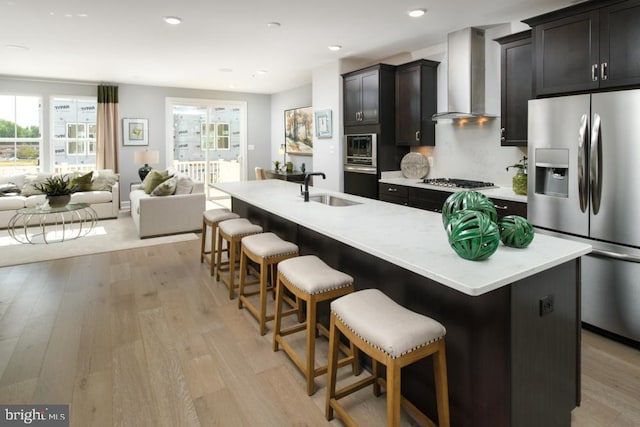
{"points": [[546, 305]]}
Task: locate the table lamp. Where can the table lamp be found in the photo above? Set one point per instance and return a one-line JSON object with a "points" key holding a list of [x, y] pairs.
{"points": [[144, 158]]}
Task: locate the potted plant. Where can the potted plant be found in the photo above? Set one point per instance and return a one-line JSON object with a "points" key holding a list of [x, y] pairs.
{"points": [[277, 165], [58, 189], [520, 179]]}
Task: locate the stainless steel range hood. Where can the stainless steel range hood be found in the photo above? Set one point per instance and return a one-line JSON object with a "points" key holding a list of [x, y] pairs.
{"points": [[465, 76]]}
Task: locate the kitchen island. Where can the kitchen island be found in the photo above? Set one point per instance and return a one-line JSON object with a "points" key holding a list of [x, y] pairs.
{"points": [[513, 321]]}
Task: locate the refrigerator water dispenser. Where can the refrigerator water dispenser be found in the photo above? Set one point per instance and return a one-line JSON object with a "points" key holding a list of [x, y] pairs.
{"points": [[552, 172]]}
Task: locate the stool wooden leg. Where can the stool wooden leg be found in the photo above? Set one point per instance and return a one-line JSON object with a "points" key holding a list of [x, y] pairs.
{"points": [[202, 243], [277, 314], [442, 389], [356, 368], [264, 273], [213, 248], [332, 368], [242, 276], [219, 258], [375, 372], [311, 345], [393, 393]]}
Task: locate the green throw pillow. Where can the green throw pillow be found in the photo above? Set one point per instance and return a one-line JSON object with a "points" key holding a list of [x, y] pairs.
{"points": [[153, 179], [166, 188], [83, 182]]}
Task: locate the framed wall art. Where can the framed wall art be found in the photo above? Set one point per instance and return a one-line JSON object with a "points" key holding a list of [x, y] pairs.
{"points": [[298, 131], [323, 124], [135, 132]]}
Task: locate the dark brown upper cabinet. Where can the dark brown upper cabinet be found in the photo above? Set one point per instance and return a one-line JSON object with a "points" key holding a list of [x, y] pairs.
{"points": [[516, 87], [363, 92], [416, 102], [586, 47]]}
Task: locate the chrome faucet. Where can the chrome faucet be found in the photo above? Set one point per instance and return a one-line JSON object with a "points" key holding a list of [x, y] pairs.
{"points": [[305, 193]]}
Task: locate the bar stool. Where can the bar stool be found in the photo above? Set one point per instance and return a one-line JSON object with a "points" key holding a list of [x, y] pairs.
{"points": [[232, 231], [392, 335], [267, 250], [311, 280], [211, 218]]}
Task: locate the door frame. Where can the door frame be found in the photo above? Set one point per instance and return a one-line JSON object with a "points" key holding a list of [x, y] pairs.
{"points": [[209, 103]]}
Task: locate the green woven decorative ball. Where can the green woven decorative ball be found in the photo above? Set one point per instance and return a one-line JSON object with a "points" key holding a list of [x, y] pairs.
{"points": [[473, 235], [515, 231], [468, 200]]}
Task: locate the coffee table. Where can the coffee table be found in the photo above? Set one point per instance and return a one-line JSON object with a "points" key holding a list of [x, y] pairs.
{"points": [[52, 225]]}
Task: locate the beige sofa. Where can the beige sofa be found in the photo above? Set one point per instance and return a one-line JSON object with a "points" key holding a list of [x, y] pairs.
{"points": [[105, 202], [172, 214]]}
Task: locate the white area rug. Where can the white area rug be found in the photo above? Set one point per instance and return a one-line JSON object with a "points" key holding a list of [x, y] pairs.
{"points": [[108, 235]]}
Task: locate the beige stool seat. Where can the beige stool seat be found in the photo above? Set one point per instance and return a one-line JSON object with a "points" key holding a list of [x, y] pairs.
{"points": [[267, 250], [309, 279], [394, 336], [210, 219], [232, 231]]}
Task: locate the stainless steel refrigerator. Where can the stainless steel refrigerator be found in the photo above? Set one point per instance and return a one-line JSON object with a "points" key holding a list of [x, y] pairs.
{"points": [[584, 183]]}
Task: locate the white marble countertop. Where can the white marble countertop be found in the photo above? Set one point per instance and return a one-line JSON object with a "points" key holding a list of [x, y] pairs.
{"points": [[410, 238], [504, 193]]}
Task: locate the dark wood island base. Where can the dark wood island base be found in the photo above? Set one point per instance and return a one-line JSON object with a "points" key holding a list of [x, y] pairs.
{"points": [[513, 354]]}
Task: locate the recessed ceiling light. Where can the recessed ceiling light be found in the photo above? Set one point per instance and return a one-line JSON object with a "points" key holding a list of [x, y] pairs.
{"points": [[417, 13], [261, 72], [225, 70], [82, 15], [273, 25], [173, 20], [335, 47], [68, 15]]}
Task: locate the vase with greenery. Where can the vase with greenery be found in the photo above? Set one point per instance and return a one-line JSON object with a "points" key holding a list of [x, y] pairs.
{"points": [[276, 164], [58, 189], [520, 179]]}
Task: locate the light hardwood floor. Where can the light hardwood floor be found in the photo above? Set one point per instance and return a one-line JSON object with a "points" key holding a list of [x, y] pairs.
{"points": [[145, 337]]}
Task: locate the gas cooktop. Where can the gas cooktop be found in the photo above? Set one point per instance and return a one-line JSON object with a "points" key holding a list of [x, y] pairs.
{"points": [[458, 183]]}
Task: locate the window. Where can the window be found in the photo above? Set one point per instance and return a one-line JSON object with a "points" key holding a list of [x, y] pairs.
{"points": [[214, 136], [20, 134], [74, 133]]}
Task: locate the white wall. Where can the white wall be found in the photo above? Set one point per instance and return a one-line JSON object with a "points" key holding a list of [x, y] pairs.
{"points": [[327, 152], [294, 98]]}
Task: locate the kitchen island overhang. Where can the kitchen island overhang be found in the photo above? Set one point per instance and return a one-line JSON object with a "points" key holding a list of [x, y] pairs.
{"points": [[507, 363]]}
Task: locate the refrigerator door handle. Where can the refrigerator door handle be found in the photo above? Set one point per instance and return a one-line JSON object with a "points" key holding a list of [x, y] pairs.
{"points": [[582, 162], [595, 165], [615, 255]]}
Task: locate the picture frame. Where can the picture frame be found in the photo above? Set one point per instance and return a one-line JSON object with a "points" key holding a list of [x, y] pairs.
{"points": [[323, 124], [298, 131], [135, 132]]}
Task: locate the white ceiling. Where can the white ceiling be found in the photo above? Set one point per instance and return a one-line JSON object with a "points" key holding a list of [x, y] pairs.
{"points": [[222, 45]]}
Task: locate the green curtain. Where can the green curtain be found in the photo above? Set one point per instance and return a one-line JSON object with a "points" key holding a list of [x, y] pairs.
{"points": [[107, 139]]}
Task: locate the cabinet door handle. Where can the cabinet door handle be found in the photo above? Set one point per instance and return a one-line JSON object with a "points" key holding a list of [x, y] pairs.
{"points": [[392, 190], [594, 72], [502, 137], [502, 208], [418, 136], [603, 71]]}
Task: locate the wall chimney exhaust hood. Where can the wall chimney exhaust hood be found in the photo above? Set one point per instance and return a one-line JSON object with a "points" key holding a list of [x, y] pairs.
{"points": [[465, 76]]}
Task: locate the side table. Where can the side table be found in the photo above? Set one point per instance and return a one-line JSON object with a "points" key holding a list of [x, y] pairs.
{"points": [[51, 225]]}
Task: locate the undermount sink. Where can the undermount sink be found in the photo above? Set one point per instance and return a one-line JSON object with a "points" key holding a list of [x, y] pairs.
{"points": [[330, 200]]}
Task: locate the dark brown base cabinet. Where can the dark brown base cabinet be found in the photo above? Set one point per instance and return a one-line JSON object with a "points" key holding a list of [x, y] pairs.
{"points": [[516, 87], [507, 364], [589, 46], [432, 200]]}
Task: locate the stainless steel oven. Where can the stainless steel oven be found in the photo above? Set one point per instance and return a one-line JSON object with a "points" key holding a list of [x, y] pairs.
{"points": [[360, 154]]}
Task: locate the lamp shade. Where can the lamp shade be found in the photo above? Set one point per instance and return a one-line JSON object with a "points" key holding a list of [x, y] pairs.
{"points": [[144, 158]]}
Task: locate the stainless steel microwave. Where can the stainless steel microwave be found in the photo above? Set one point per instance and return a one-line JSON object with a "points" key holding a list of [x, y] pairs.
{"points": [[360, 151]]}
